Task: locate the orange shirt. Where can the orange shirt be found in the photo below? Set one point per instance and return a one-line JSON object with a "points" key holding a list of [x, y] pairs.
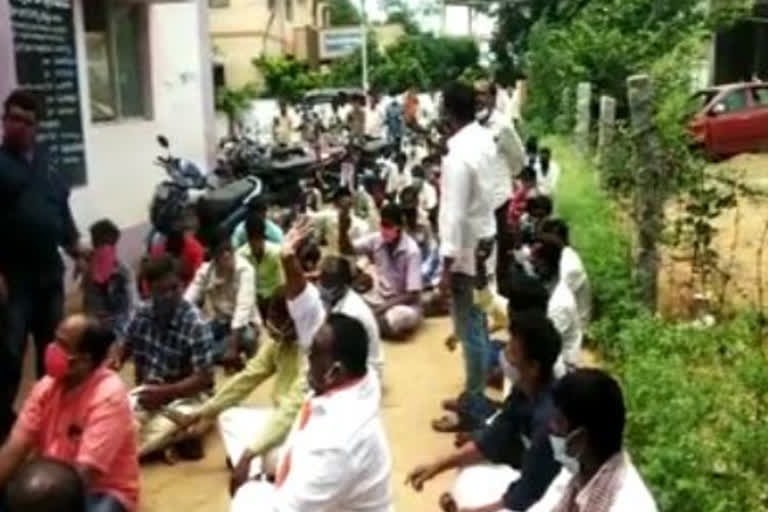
{"points": [[92, 426]]}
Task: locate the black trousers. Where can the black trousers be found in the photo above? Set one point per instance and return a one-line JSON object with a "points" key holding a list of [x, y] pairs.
{"points": [[31, 309], [504, 247]]}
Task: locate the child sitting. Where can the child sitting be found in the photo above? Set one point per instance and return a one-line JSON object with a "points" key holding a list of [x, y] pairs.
{"points": [[107, 282]]}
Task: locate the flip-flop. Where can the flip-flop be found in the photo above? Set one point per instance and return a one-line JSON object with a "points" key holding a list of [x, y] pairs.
{"points": [[448, 425], [450, 404]]}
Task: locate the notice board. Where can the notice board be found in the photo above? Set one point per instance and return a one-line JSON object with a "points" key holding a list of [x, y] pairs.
{"points": [[46, 64]]}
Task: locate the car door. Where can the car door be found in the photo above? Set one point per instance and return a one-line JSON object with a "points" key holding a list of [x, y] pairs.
{"points": [[729, 123], [760, 115]]}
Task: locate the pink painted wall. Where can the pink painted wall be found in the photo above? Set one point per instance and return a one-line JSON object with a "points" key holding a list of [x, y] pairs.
{"points": [[7, 63]]}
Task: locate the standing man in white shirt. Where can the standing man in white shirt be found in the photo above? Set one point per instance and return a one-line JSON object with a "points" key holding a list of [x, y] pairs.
{"points": [[587, 439], [508, 163], [465, 219], [547, 173], [337, 457]]}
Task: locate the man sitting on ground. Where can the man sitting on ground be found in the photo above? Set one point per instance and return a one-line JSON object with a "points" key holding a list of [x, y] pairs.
{"points": [[172, 349], [264, 258], [562, 308], [396, 297], [572, 269], [252, 435], [327, 222], [516, 442], [225, 290], [272, 232], [46, 485], [309, 304], [587, 431], [80, 413], [337, 456]]}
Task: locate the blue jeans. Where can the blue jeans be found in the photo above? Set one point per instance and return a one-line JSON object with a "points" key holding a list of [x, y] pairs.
{"points": [[222, 335], [470, 325]]}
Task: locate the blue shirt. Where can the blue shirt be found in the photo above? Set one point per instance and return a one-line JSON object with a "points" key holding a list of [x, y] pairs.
{"points": [[519, 437], [170, 353], [272, 233]]}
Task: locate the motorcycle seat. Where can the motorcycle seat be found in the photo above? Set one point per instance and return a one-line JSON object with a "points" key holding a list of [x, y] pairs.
{"points": [[219, 203]]}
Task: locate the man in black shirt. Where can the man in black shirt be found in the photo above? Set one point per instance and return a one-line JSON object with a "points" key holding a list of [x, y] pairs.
{"points": [[518, 437], [35, 220]]}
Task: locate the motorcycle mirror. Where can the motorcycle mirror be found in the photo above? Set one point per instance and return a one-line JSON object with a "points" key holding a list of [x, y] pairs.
{"points": [[163, 141]]}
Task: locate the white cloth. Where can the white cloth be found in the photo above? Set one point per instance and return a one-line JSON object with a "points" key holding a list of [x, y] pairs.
{"points": [[547, 185], [236, 298], [508, 159], [633, 495], [564, 314], [308, 315], [503, 101], [338, 459], [238, 427], [427, 196], [466, 213], [515, 104], [482, 484], [374, 121], [574, 274]]}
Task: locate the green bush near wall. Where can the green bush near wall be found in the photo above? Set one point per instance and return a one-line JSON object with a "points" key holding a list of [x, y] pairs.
{"points": [[697, 398]]}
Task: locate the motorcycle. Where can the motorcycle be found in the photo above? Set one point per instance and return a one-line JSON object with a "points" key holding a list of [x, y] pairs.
{"points": [[188, 191]]}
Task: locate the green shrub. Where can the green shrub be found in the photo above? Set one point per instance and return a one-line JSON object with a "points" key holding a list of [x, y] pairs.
{"points": [[697, 398]]}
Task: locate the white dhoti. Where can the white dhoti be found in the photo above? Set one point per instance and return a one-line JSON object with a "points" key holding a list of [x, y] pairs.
{"points": [[482, 484], [239, 426], [253, 496]]}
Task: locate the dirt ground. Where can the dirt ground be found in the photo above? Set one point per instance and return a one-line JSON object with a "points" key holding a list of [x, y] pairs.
{"points": [[741, 242], [419, 374]]}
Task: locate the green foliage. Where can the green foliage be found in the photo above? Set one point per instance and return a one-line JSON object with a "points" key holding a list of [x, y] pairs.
{"points": [[233, 102], [422, 60], [697, 398], [400, 12], [343, 12], [287, 78], [609, 40]]}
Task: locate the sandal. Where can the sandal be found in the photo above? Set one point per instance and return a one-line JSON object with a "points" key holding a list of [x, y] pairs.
{"points": [[449, 425]]}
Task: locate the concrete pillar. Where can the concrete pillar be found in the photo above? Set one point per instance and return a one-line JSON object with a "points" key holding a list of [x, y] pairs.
{"points": [[564, 120], [649, 187], [583, 115], [606, 125]]}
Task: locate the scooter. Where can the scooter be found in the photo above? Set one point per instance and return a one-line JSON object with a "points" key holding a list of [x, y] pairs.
{"points": [[189, 190]]}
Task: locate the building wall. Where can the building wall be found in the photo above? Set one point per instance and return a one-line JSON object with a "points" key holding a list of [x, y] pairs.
{"points": [[121, 175], [7, 62], [243, 32]]}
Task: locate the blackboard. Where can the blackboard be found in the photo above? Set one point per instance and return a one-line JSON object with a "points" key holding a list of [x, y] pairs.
{"points": [[46, 63]]}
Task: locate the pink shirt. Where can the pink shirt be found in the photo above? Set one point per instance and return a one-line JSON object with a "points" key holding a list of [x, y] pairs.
{"points": [[92, 426]]}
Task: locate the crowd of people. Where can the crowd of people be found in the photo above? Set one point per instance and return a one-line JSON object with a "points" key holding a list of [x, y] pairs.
{"points": [[463, 227]]}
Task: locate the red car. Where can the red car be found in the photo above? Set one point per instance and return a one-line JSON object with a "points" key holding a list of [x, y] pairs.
{"points": [[731, 119]]}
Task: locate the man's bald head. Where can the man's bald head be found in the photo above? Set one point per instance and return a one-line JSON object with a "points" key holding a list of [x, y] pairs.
{"points": [[46, 485]]}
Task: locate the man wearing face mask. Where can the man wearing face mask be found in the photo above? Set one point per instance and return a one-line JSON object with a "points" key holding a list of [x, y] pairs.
{"points": [[336, 458], [35, 220], [587, 431], [173, 353], [508, 163], [80, 413], [309, 304], [396, 296], [252, 435], [509, 463], [417, 225]]}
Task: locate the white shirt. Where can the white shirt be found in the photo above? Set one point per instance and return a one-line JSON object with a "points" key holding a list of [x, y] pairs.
{"points": [[509, 157], [374, 121], [547, 185], [564, 314], [632, 496], [337, 458], [466, 213], [427, 196], [308, 314], [575, 276]]}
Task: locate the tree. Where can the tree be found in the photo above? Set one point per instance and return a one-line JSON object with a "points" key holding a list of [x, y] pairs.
{"points": [[399, 12], [344, 12], [233, 103]]}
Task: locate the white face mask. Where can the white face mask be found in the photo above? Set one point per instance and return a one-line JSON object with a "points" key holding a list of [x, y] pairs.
{"points": [[560, 453], [510, 372]]}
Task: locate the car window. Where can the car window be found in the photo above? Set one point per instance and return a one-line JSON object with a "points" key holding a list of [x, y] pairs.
{"points": [[760, 95], [701, 99], [734, 101]]}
